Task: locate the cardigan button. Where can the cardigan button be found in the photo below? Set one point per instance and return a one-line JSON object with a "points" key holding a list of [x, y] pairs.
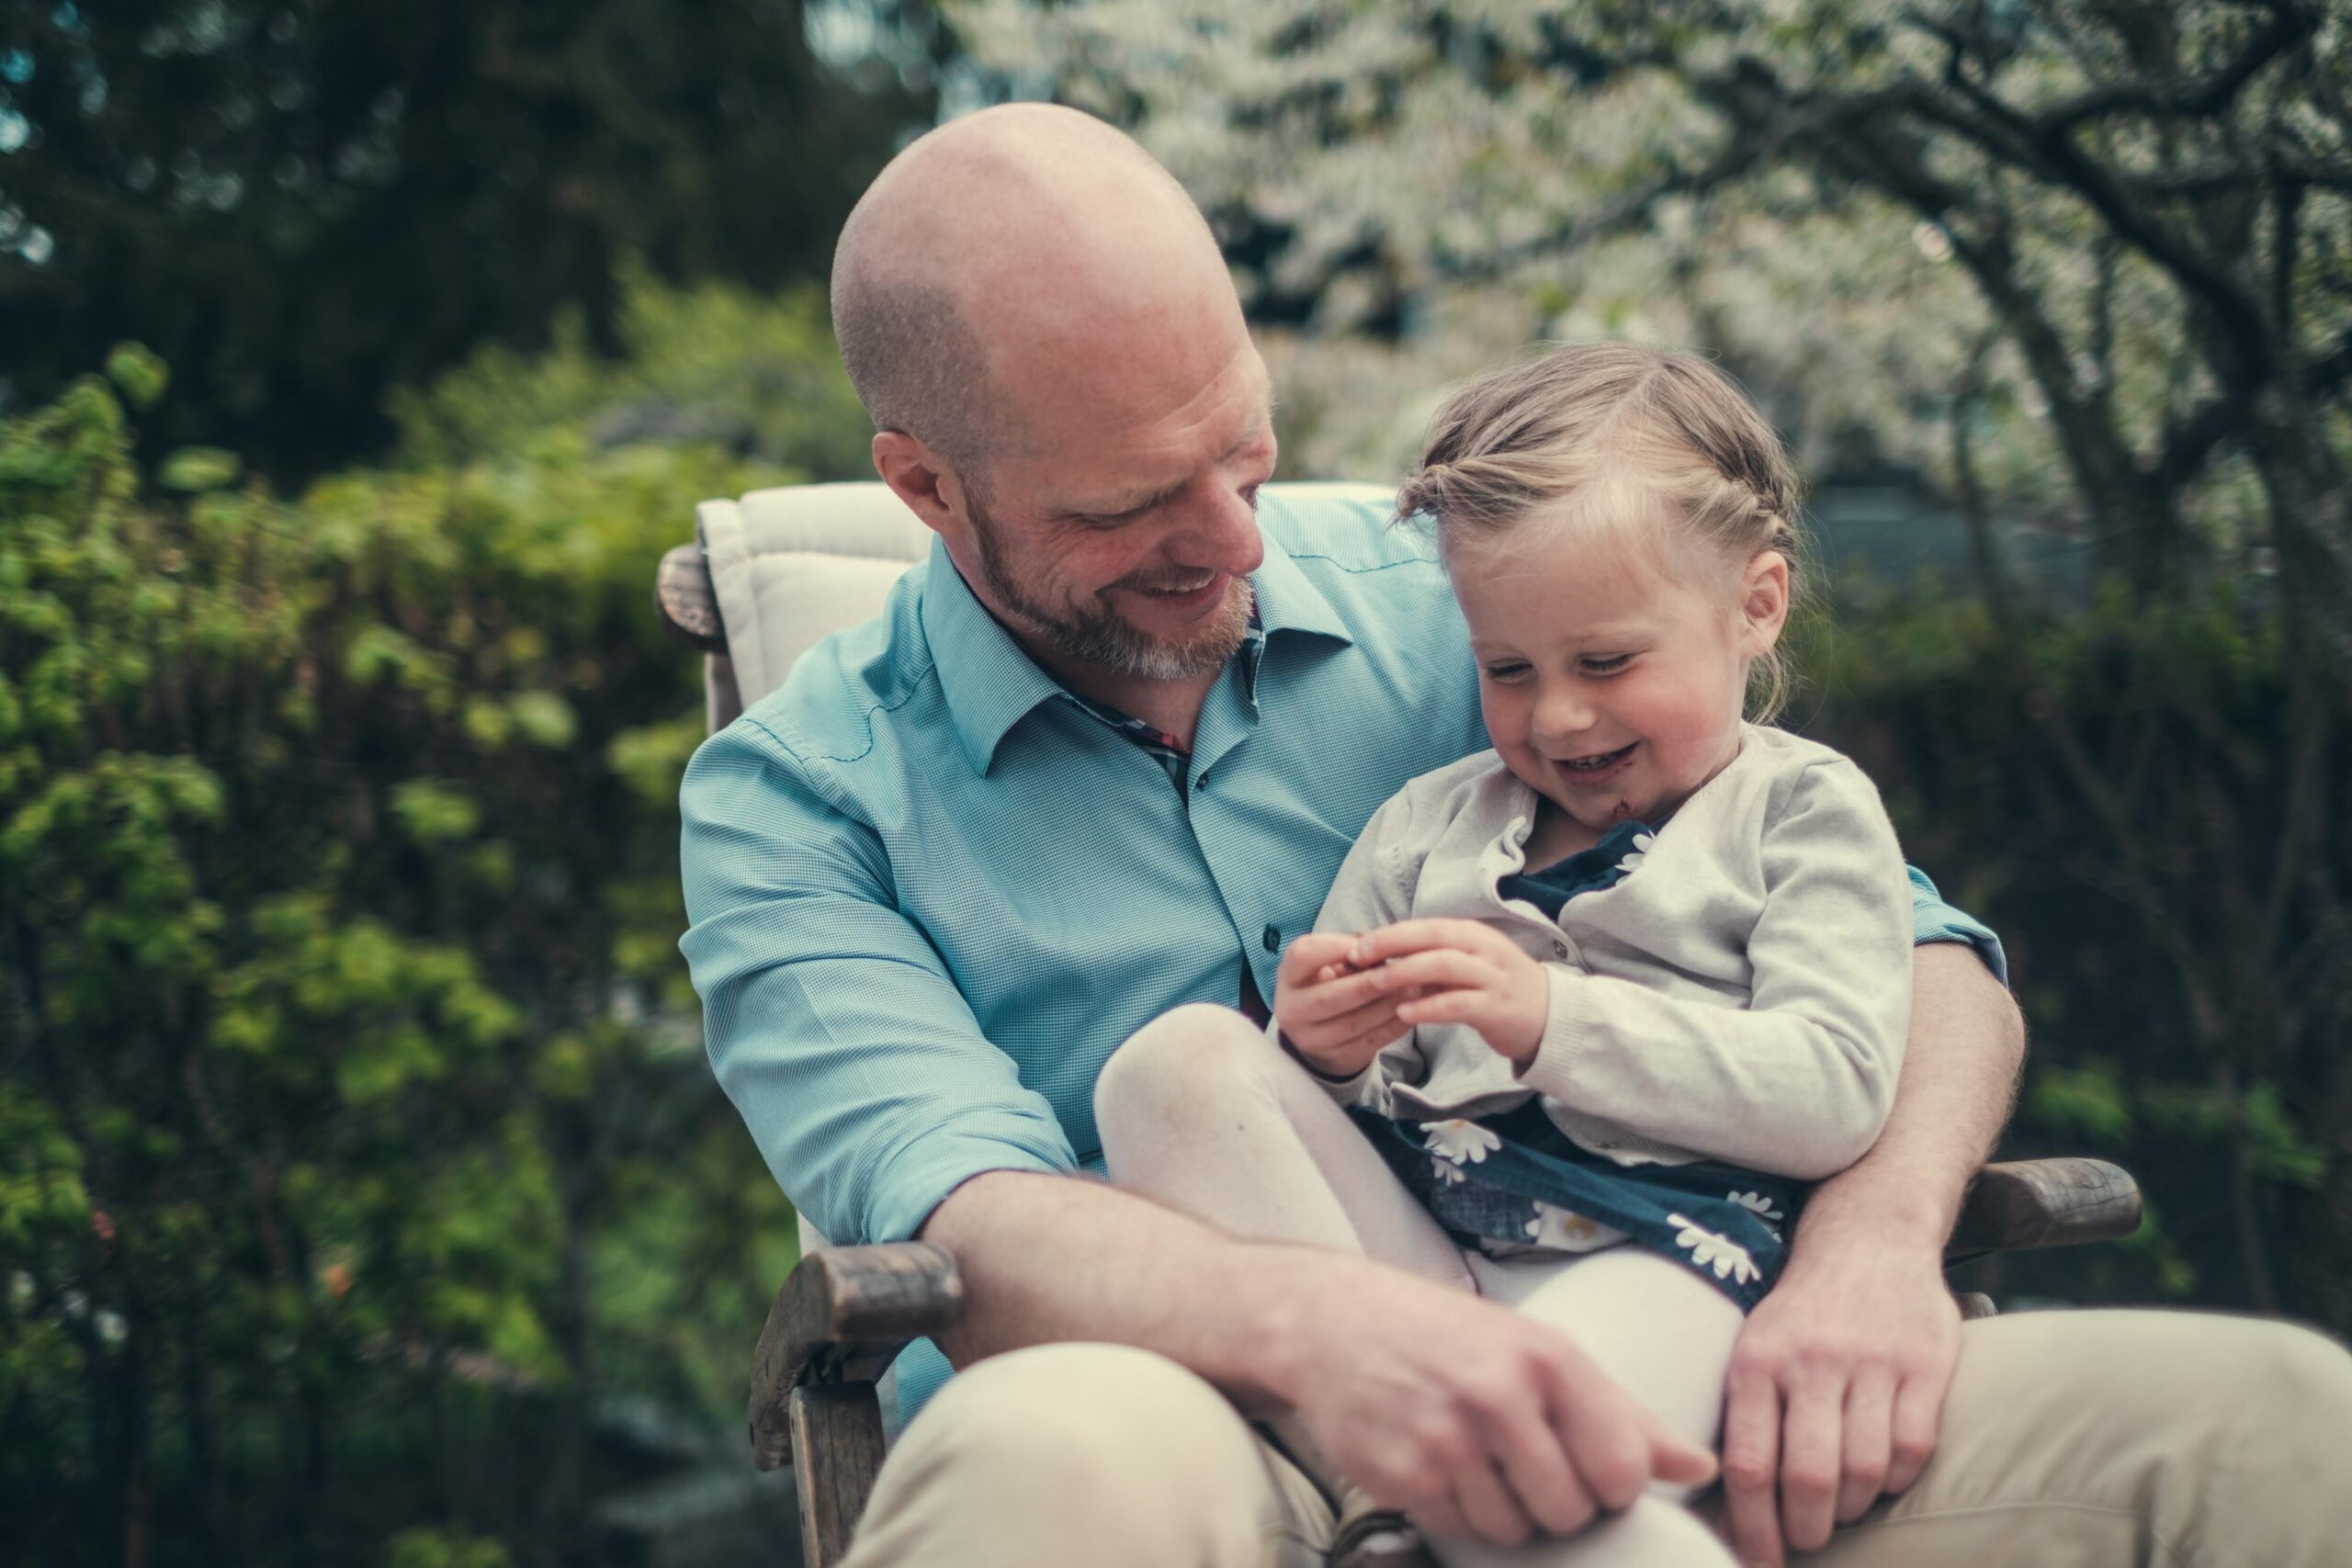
{"points": [[1273, 939]]}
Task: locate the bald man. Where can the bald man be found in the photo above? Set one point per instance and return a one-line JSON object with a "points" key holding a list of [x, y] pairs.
{"points": [[1098, 760]]}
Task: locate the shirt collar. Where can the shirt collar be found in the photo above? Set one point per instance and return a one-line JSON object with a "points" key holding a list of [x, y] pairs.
{"points": [[992, 684]]}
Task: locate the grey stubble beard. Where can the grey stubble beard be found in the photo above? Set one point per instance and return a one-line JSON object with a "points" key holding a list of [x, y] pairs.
{"points": [[1102, 636]]}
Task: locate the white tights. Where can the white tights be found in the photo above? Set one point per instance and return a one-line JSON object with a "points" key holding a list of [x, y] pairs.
{"points": [[1199, 1111]]}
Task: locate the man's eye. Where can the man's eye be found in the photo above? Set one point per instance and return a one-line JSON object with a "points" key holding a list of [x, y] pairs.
{"points": [[1605, 664]]}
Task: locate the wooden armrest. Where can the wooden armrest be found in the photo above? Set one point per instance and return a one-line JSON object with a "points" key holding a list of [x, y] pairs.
{"points": [[684, 602], [2044, 1203], [843, 1315]]}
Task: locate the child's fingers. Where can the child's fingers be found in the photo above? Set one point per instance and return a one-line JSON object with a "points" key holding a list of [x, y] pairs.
{"points": [[1474, 1007], [1351, 1056], [1378, 1014], [1314, 951], [1443, 968], [1417, 936], [1312, 1002]]}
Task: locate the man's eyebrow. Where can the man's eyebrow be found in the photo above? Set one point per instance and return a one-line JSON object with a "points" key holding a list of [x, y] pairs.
{"points": [[1129, 505]]}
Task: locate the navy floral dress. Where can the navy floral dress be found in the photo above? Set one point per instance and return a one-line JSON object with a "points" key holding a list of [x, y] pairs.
{"points": [[1514, 1182]]}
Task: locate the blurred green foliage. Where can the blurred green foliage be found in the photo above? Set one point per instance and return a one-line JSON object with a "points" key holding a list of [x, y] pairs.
{"points": [[350, 1091], [2188, 1021], [299, 203]]}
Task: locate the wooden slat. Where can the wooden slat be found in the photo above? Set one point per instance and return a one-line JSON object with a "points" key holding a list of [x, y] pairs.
{"points": [[684, 602], [837, 1451], [722, 700], [842, 1317], [2044, 1203]]}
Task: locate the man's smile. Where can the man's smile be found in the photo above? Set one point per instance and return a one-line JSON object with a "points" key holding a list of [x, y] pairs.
{"points": [[1188, 594]]}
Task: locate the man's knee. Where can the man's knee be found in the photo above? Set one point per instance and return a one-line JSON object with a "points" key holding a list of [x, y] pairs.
{"points": [[1060, 1453], [2274, 1388], [1063, 1403], [1192, 1057], [2218, 1437]]}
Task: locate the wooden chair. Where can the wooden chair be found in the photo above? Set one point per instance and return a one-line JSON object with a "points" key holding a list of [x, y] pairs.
{"points": [[768, 576]]}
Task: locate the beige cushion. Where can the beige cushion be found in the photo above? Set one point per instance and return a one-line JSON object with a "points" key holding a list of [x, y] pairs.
{"points": [[799, 562]]}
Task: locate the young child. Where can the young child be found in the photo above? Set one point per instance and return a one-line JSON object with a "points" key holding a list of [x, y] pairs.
{"points": [[1598, 1003]]}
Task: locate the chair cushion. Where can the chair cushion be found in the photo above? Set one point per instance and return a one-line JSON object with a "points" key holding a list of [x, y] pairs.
{"points": [[797, 563]]}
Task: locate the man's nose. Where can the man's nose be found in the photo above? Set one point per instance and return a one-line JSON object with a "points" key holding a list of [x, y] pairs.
{"points": [[1220, 531]]}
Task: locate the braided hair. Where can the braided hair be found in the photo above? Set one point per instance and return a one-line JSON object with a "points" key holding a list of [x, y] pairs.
{"points": [[1655, 447]]}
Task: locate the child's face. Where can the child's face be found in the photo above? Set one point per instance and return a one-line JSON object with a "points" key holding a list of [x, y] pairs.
{"points": [[1611, 689]]}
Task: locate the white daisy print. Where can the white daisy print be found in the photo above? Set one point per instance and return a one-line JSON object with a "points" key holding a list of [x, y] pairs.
{"points": [[1633, 861], [1758, 1204], [1459, 1139], [1447, 1172], [1561, 1228], [1709, 1250]]}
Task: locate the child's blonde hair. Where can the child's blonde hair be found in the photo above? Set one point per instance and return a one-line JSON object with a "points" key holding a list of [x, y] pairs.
{"points": [[1594, 437]]}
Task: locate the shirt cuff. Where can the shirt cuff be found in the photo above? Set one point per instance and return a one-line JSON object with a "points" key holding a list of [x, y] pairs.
{"points": [[919, 1177], [1932, 920]]}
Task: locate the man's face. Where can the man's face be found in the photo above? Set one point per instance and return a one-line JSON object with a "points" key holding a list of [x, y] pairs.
{"points": [[1123, 541]]}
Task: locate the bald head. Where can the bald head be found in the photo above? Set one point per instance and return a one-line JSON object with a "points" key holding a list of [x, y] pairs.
{"points": [[1017, 266]]}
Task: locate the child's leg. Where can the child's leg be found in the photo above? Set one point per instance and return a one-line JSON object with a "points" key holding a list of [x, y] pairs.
{"points": [[1666, 1337], [1201, 1111]]}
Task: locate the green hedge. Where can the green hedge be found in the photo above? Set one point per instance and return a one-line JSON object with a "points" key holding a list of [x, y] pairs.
{"points": [[352, 1091], [2118, 792]]}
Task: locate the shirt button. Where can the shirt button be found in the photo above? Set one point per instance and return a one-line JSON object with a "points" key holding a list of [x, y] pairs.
{"points": [[1559, 950], [1273, 939]]}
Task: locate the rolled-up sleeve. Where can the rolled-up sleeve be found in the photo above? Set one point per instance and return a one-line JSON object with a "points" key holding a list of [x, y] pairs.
{"points": [[830, 1018], [1932, 920]]}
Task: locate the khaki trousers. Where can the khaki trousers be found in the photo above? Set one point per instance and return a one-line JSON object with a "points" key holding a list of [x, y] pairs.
{"points": [[2072, 1439]]}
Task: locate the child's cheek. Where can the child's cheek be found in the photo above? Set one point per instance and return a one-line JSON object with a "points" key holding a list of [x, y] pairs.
{"points": [[1682, 720]]}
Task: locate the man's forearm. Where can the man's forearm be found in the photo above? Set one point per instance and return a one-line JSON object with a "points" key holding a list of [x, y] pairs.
{"points": [[1048, 1258], [1959, 1081]]}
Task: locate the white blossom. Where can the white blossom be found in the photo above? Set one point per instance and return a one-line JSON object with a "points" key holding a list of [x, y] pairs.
{"points": [[1459, 1139], [1640, 852], [1710, 1249], [1568, 1231]]}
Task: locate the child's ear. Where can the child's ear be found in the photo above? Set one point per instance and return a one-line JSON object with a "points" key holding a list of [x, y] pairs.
{"points": [[1764, 600]]}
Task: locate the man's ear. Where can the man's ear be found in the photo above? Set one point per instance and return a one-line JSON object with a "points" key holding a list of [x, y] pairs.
{"points": [[1764, 599], [917, 475]]}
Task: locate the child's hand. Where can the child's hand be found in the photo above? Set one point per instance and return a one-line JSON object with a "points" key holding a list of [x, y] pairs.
{"points": [[1461, 971], [1335, 1016]]}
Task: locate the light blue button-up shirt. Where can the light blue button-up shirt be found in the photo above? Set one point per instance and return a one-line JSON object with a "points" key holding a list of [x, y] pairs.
{"points": [[930, 894]]}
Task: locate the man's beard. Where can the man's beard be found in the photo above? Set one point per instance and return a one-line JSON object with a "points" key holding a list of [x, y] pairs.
{"points": [[1103, 637]]}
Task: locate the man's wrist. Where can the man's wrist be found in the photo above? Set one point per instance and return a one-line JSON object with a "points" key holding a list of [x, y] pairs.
{"points": [[1264, 1365], [1855, 1213]]}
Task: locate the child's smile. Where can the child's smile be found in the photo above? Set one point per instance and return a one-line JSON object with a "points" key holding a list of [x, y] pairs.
{"points": [[1611, 689]]}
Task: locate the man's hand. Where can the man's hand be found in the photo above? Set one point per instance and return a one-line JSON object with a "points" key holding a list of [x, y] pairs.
{"points": [[1334, 1016], [1835, 1394], [1470, 1418], [1467, 973]]}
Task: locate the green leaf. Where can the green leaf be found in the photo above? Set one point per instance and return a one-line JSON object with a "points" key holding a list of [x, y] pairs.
{"points": [[139, 373], [200, 469]]}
